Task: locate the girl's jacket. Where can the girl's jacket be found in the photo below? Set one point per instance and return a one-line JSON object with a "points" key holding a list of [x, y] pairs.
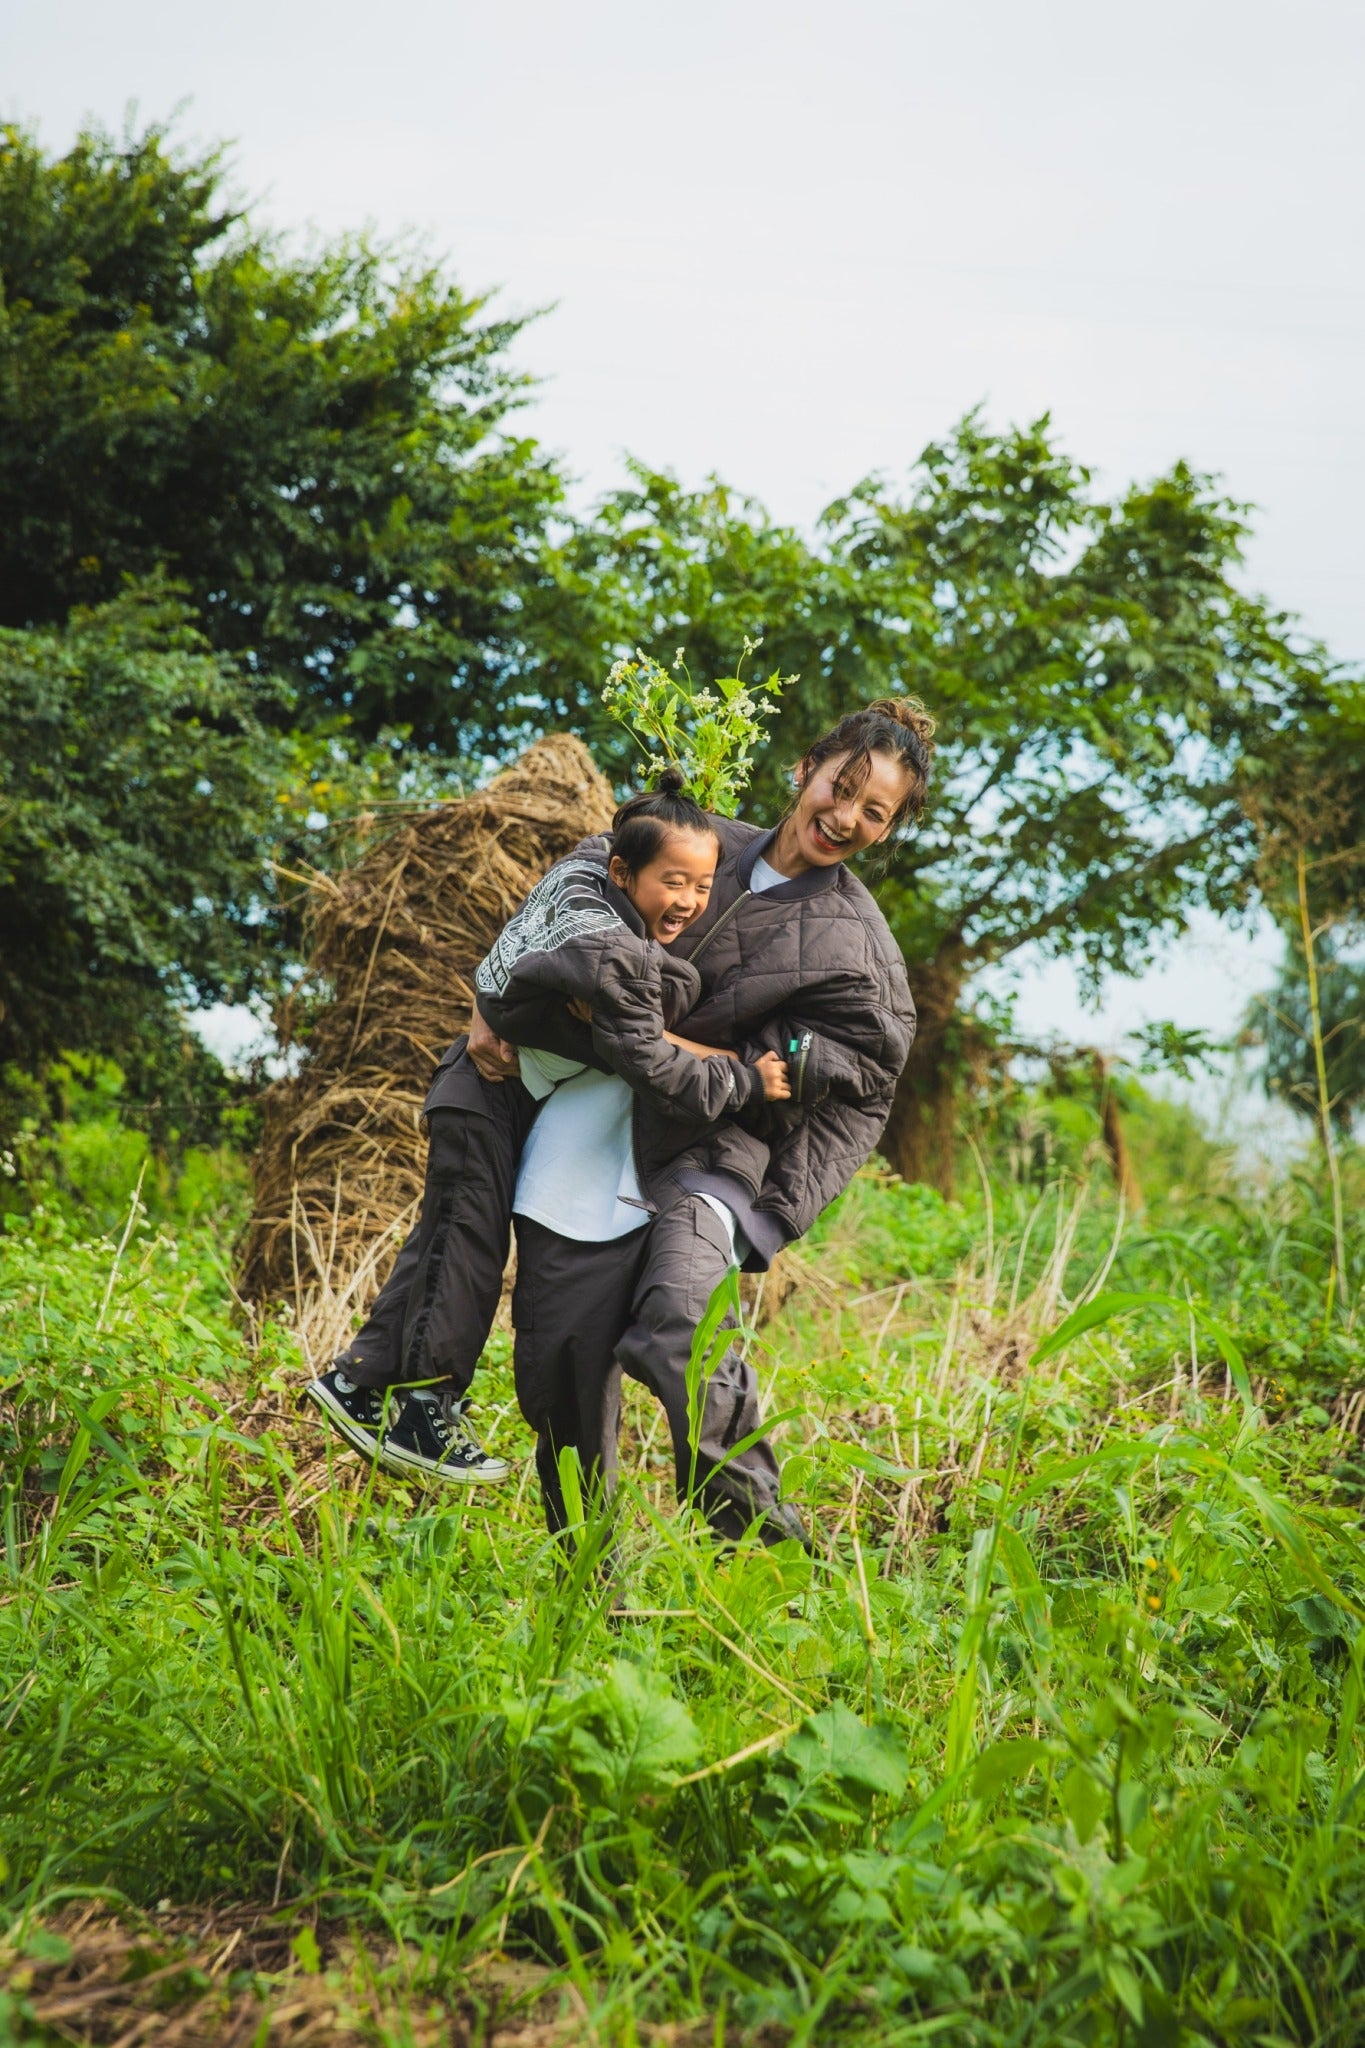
{"points": [[578, 935], [808, 968]]}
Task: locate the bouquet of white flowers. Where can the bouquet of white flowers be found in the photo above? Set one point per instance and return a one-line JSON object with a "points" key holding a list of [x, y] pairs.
{"points": [[709, 734]]}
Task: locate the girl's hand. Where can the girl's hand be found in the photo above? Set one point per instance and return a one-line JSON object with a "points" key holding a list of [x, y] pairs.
{"points": [[772, 1072]]}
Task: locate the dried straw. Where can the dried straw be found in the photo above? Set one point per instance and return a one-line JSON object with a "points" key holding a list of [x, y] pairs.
{"points": [[394, 944]]}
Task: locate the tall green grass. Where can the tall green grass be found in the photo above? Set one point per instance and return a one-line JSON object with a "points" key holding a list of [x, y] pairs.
{"points": [[1056, 1740]]}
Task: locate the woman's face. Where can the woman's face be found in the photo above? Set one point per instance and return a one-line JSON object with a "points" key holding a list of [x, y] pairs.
{"points": [[827, 827]]}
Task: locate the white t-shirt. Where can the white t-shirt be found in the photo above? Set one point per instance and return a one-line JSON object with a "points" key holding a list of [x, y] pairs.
{"points": [[542, 1072], [764, 877], [577, 1174]]}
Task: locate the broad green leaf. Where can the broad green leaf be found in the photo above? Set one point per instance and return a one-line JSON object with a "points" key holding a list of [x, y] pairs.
{"points": [[632, 1736], [1029, 1597], [1204, 1599], [571, 1484], [304, 1948], [1230, 1349], [1083, 1800], [837, 1744], [1125, 1987], [1004, 1763], [870, 1462], [1091, 1315], [977, 1578]]}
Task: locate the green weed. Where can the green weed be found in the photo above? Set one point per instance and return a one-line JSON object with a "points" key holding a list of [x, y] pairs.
{"points": [[1057, 1739]]}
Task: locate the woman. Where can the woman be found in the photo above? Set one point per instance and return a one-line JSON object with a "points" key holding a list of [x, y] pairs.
{"points": [[792, 951]]}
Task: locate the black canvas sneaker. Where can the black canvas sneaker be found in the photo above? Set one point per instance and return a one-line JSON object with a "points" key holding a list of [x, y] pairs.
{"points": [[432, 1437], [355, 1412]]}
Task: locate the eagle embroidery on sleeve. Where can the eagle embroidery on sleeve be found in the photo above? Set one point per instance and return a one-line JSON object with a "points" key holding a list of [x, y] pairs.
{"points": [[566, 904]]}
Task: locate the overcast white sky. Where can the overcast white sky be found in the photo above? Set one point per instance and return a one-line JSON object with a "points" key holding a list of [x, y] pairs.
{"points": [[791, 243]]}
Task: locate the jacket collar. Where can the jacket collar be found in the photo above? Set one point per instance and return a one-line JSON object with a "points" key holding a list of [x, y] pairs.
{"points": [[624, 908], [813, 883]]}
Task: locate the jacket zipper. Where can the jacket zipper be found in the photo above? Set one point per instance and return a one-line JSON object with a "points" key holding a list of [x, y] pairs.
{"points": [[650, 1208], [719, 925], [802, 1048]]}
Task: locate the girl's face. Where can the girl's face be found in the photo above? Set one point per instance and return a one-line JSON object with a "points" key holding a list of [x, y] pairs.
{"points": [[826, 827], [672, 890]]}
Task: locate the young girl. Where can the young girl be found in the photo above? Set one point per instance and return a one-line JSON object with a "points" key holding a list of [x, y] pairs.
{"points": [[592, 935]]}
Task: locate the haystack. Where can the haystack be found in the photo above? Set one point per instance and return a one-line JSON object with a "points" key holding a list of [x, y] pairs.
{"points": [[394, 942]]}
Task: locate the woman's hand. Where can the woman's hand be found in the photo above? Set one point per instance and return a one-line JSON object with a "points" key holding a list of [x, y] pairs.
{"points": [[701, 1052], [580, 1007], [772, 1072], [495, 1058]]}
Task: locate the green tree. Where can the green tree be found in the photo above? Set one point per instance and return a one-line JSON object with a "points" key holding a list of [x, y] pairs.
{"points": [[319, 449], [1103, 689], [138, 790], [1285, 1022]]}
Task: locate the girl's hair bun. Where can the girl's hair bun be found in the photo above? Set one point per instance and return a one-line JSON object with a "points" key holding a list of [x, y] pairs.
{"points": [[643, 822]]}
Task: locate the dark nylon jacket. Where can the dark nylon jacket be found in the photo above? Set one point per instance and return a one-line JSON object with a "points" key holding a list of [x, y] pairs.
{"points": [[578, 935]]}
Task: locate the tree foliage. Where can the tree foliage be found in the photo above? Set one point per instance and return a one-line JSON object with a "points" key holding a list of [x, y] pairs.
{"points": [[1103, 688], [319, 448], [137, 798], [320, 451], [1286, 1026]]}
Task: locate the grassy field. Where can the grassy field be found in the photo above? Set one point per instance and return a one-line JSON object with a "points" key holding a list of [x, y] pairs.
{"points": [[1056, 1740]]}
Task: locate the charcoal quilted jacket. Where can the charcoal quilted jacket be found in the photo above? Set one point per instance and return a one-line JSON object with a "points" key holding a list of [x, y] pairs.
{"points": [[810, 968]]}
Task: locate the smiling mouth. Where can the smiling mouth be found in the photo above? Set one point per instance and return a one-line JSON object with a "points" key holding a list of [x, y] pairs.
{"points": [[672, 924], [824, 837]]}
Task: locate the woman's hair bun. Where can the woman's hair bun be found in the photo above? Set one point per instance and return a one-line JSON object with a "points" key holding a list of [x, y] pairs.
{"points": [[909, 712], [670, 781]]}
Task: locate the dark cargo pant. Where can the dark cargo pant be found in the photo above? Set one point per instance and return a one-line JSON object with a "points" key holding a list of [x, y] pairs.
{"points": [[582, 1312], [432, 1317], [686, 1256], [570, 1304]]}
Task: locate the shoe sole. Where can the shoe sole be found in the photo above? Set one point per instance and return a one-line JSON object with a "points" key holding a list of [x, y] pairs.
{"points": [[359, 1438], [406, 1464]]}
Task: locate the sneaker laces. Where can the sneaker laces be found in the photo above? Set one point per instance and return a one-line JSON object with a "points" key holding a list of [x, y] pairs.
{"points": [[447, 1419], [372, 1397]]}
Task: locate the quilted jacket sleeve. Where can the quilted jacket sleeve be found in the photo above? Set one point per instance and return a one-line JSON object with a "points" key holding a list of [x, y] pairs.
{"points": [[567, 943], [628, 1031], [543, 957]]}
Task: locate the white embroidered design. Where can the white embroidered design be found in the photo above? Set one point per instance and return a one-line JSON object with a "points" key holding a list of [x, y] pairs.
{"points": [[566, 904]]}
